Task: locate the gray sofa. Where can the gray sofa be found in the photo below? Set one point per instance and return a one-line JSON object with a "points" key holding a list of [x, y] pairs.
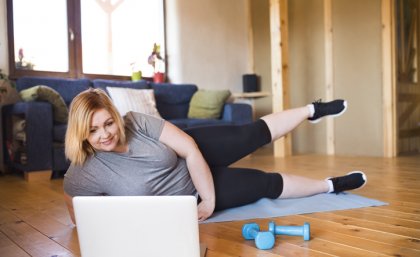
{"points": [[44, 145]]}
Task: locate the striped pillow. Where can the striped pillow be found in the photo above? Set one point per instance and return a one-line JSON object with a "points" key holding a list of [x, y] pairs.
{"points": [[136, 100]]}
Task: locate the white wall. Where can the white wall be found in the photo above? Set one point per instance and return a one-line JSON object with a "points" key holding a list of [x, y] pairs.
{"points": [[358, 76], [207, 43], [3, 38], [356, 71], [307, 69]]}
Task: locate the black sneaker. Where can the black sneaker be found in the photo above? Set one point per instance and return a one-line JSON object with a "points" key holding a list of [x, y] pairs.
{"points": [[334, 108], [353, 180]]}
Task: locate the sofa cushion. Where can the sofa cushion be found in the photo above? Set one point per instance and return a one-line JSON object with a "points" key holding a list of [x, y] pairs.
{"points": [[67, 88], [104, 83], [136, 100], [207, 104], [172, 100], [48, 94]]}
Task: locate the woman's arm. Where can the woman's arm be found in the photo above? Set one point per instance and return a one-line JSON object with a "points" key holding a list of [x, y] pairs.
{"points": [[185, 147], [68, 199]]}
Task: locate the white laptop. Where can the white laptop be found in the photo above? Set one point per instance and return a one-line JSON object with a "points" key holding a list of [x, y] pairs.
{"points": [[149, 226]]}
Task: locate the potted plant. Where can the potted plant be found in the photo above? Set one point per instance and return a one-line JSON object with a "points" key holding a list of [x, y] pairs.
{"points": [[156, 60], [22, 63]]}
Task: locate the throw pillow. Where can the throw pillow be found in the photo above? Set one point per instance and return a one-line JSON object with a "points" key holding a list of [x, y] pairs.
{"points": [[207, 104], [45, 93], [136, 100]]}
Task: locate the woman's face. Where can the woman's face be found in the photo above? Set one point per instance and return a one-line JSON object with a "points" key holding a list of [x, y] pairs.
{"points": [[103, 131]]}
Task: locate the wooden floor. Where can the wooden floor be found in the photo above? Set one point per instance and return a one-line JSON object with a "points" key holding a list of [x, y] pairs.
{"points": [[35, 222]]}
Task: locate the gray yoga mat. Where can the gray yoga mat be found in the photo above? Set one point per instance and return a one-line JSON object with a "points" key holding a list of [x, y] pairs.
{"points": [[267, 208]]}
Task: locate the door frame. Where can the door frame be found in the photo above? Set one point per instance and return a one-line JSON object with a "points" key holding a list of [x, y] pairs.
{"points": [[389, 95]]}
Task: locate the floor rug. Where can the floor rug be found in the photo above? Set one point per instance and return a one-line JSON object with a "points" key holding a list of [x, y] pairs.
{"points": [[266, 208]]}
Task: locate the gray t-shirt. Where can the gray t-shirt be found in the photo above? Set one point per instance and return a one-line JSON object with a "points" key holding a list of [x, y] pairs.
{"points": [[148, 168]]}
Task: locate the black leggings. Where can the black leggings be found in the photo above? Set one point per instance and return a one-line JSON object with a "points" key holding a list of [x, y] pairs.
{"points": [[223, 145]]}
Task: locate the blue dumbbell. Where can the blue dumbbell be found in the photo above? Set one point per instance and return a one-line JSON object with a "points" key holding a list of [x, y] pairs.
{"points": [[304, 230], [263, 240]]}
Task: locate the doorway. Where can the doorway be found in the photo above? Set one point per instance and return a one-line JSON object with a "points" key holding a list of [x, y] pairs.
{"points": [[407, 43]]}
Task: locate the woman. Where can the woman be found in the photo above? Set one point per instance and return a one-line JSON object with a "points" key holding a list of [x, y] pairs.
{"points": [[144, 155]]}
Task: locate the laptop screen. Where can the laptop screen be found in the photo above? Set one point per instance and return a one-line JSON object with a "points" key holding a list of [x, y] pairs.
{"points": [[110, 226]]}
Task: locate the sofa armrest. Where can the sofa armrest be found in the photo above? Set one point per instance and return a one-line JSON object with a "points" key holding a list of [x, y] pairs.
{"points": [[237, 113], [39, 132]]}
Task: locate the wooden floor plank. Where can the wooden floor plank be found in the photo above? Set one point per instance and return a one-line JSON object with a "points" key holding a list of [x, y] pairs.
{"points": [[354, 237], [343, 234], [7, 217], [398, 212], [375, 226], [285, 248], [211, 253], [395, 221], [335, 248], [54, 234], [320, 220], [9, 248], [232, 248], [31, 240]]}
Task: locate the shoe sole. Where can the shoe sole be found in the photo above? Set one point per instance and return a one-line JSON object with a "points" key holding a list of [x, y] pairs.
{"points": [[332, 116]]}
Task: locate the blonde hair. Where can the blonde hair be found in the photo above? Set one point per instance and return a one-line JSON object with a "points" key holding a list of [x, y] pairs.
{"points": [[82, 108]]}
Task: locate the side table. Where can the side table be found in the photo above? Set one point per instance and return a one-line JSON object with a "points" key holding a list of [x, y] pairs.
{"points": [[249, 98]]}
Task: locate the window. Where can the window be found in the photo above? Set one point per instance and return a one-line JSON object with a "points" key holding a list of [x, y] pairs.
{"points": [[40, 44], [89, 38]]}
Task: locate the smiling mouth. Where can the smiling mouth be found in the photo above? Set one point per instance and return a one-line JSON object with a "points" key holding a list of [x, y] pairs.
{"points": [[107, 142]]}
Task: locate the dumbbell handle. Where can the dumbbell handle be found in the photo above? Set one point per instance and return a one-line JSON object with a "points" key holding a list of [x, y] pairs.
{"points": [[250, 231], [290, 230]]}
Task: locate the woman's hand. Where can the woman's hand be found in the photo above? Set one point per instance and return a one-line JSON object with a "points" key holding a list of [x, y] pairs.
{"points": [[69, 202], [205, 209]]}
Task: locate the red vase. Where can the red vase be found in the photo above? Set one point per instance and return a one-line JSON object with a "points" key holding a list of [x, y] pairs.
{"points": [[159, 77]]}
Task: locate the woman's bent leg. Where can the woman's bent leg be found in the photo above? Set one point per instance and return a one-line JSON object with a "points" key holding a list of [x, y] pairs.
{"points": [[297, 186], [239, 186]]}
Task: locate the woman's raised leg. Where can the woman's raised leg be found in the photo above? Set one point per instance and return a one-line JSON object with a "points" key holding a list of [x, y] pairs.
{"points": [[224, 145], [281, 123]]}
